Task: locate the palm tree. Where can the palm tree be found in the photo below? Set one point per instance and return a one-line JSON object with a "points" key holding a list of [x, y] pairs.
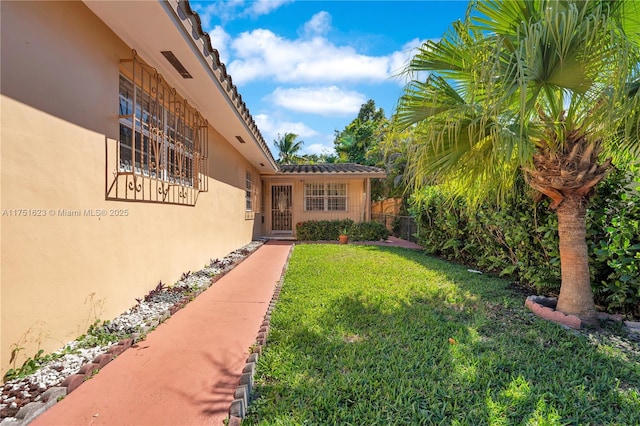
{"points": [[539, 87], [288, 148]]}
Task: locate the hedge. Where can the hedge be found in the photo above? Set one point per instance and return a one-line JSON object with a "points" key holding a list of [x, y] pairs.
{"points": [[329, 230], [520, 239]]}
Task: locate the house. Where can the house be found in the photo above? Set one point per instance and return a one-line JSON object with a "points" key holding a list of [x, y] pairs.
{"points": [[298, 193], [128, 158]]}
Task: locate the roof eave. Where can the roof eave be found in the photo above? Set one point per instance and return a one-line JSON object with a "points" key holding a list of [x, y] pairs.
{"points": [[172, 25]]}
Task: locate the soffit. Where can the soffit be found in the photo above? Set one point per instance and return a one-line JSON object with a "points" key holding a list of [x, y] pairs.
{"points": [[150, 27]]}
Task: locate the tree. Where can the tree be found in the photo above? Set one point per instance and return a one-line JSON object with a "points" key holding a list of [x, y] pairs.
{"points": [[324, 158], [393, 151], [540, 87], [288, 148], [358, 137]]}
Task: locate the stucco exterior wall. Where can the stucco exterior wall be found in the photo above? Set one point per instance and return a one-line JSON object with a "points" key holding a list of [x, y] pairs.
{"points": [[356, 200], [63, 266]]}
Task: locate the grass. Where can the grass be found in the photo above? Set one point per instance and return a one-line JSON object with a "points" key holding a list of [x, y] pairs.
{"points": [[366, 335]]}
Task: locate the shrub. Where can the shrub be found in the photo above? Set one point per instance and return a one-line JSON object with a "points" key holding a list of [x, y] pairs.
{"points": [[368, 231], [321, 230], [328, 230], [520, 239], [614, 242]]}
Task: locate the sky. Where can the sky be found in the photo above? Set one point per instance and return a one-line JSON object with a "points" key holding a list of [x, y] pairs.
{"points": [[306, 67]]}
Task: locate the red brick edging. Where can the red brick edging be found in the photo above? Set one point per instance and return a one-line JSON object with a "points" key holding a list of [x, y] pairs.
{"points": [[544, 307], [242, 395]]}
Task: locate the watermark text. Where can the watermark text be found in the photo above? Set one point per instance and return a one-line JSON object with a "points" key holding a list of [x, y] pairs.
{"points": [[58, 212]]}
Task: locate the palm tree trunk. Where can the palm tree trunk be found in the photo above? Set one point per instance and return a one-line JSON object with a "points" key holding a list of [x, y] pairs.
{"points": [[576, 297]]}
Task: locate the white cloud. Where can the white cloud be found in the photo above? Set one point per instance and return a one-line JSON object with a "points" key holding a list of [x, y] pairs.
{"points": [[223, 10], [400, 59], [220, 41], [328, 101], [323, 144], [264, 7], [319, 149], [314, 142], [262, 55], [229, 10], [271, 128], [319, 24]]}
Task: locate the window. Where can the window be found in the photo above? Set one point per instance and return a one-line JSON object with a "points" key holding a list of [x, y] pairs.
{"points": [[336, 197], [161, 152], [161, 136], [325, 196], [314, 197], [249, 192]]}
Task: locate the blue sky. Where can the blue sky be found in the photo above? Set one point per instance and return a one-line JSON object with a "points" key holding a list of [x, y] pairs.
{"points": [[306, 67]]}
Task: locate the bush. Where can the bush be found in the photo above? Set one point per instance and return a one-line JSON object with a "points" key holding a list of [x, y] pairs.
{"points": [[329, 230], [516, 240], [614, 242], [520, 239], [321, 230], [368, 231]]}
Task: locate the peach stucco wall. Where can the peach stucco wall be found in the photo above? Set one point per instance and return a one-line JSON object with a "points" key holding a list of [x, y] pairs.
{"points": [[59, 109], [356, 200]]}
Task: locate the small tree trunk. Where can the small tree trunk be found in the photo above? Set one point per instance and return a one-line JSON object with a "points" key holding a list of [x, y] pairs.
{"points": [[576, 297]]}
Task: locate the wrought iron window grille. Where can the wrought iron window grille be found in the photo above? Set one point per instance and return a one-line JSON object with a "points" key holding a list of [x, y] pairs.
{"points": [[162, 151]]}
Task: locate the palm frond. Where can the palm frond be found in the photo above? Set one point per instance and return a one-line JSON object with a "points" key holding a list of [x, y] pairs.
{"points": [[516, 78]]}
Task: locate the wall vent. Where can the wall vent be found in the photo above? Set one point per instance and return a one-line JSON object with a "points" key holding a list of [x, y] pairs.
{"points": [[176, 63]]}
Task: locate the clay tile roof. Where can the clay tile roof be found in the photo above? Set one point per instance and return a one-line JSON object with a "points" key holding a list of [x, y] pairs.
{"points": [[332, 169], [186, 12]]}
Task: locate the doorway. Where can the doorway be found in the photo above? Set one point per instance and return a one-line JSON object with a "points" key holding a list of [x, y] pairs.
{"points": [[281, 209]]}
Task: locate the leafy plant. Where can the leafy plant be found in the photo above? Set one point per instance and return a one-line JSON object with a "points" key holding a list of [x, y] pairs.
{"points": [[149, 296], [31, 365], [243, 252], [502, 96], [396, 226], [324, 230], [321, 230], [99, 335], [28, 367], [614, 234], [368, 231], [520, 239]]}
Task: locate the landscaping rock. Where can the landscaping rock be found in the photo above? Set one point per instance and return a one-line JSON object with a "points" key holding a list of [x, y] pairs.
{"points": [[633, 327], [151, 309]]}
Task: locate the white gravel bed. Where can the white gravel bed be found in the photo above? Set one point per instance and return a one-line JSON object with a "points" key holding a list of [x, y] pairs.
{"points": [[148, 312]]}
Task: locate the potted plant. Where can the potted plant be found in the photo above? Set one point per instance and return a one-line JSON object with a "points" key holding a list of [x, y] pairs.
{"points": [[343, 237]]}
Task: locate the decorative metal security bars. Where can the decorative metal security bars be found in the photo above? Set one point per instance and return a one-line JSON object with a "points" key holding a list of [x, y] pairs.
{"points": [[281, 214], [162, 150]]}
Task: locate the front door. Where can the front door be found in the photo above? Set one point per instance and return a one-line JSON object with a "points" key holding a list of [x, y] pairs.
{"points": [[281, 209]]}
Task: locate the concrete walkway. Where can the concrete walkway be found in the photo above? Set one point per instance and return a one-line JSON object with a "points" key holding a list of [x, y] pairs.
{"points": [[186, 371]]}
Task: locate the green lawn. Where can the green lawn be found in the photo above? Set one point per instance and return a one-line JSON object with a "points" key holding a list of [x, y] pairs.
{"points": [[366, 335]]}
